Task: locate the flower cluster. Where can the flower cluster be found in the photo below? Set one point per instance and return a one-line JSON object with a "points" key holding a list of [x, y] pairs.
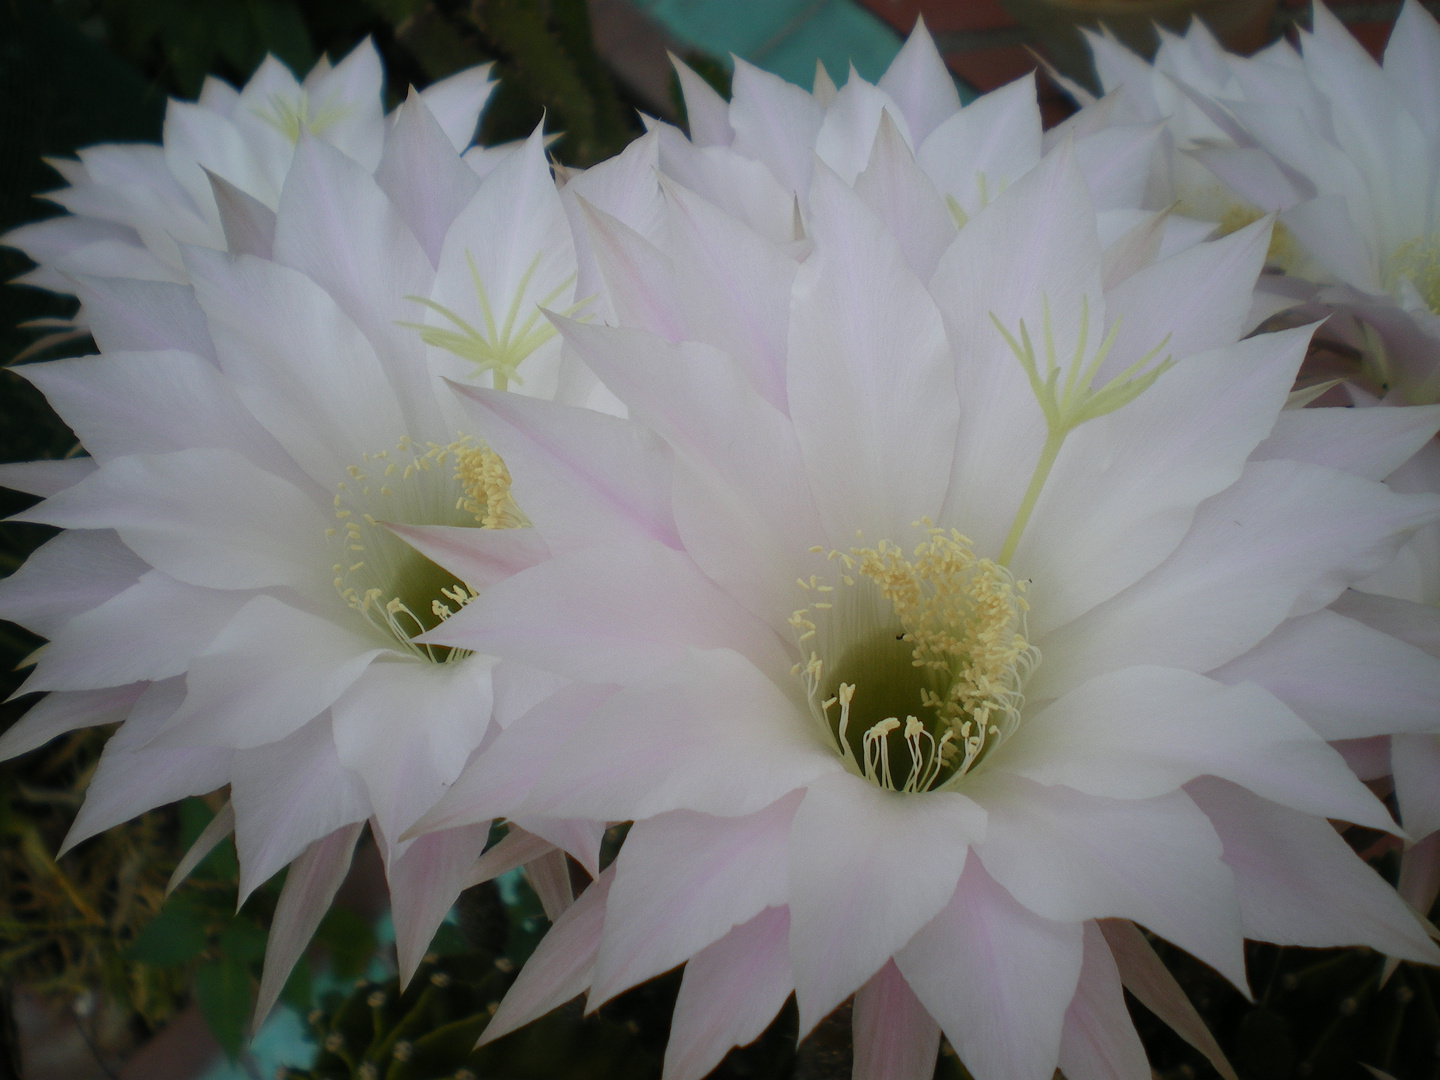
{"points": [[893, 510]]}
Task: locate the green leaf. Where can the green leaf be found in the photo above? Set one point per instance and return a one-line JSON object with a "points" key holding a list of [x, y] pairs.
{"points": [[222, 990], [348, 939], [242, 940], [174, 937]]}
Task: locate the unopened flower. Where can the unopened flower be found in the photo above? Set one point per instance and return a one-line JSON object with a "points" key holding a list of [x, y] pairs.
{"points": [[930, 618]]}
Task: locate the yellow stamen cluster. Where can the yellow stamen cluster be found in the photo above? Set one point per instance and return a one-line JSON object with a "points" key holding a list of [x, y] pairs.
{"points": [[382, 578], [1418, 261], [963, 618]]}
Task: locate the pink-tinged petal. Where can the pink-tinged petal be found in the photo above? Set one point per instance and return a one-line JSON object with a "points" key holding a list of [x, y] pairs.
{"points": [[1415, 764], [1324, 229], [1145, 976], [1252, 174], [856, 308], [1412, 65], [733, 286], [299, 363], [1372, 443], [424, 883], [57, 713], [1124, 490], [1347, 680], [850, 843], [1033, 250], [848, 130], [1072, 857], [895, 1038], [1144, 731], [653, 747], [67, 575], [45, 478], [636, 279], [1284, 540], [1419, 883], [613, 612], [1299, 883], [150, 631], [456, 103], [743, 188], [497, 781], [312, 883], [332, 220], [286, 795], [576, 837], [974, 154], [1369, 759], [559, 969], [584, 478], [268, 672], [1099, 1040], [132, 777], [902, 196], [730, 993], [248, 223], [707, 114], [407, 728], [514, 850], [220, 827], [127, 313], [775, 123], [479, 557], [427, 183], [1215, 280], [1116, 163], [919, 82], [682, 881], [205, 516], [741, 498], [997, 977], [549, 876], [627, 188]]}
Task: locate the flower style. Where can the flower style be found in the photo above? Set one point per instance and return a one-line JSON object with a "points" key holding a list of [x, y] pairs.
{"points": [[222, 165], [1349, 150], [936, 621], [231, 583]]}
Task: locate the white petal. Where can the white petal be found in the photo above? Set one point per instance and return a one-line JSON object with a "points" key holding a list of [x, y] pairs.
{"points": [[1415, 764], [457, 102], [730, 993], [57, 713], [1072, 857], [1371, 443], [1347, 680], [902, 196], [65, 576], [920, 83], [868, 868], [1143, 731], [125, 314], [895, 1038], [424, 884], [1099, 1040], [286, 795], [998, 978], [248, 223], [426, 181], [1299, 883], [848, 130], [682, 881], [268, 672], [45, 478], [653, 747], [205, 516], [775, 123], [706, 112], [1284, 540], [868, 368], [976, 153]]}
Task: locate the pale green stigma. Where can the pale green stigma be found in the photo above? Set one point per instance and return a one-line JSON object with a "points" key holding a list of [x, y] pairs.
{"points": [[498, 350], [291, 115], [1068, 406], [1418, 262]]}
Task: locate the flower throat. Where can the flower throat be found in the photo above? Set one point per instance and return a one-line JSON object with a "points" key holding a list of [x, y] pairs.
{"points": [[917, 662]]}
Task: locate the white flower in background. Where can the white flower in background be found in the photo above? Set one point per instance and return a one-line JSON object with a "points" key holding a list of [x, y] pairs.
{"points": [[230, 582], [133, 206], [754, 156], [941, 614], [1351, 155]]}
